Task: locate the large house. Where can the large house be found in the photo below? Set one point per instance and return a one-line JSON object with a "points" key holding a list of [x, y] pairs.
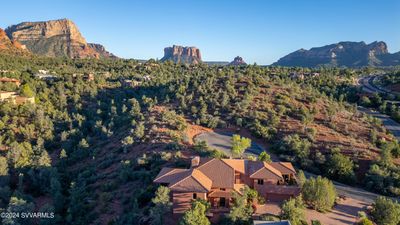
{"points": [[14, 98], [214, 180], [10, 80]]}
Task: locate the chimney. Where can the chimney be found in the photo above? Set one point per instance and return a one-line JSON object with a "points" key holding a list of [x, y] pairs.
{"points": [[195, 161]]}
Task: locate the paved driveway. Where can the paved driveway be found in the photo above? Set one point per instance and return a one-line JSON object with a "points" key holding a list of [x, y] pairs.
{"points": [[223, 141]]}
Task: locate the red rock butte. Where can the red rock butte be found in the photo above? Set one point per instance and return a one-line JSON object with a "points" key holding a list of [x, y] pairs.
{"points": [[184, 55]]}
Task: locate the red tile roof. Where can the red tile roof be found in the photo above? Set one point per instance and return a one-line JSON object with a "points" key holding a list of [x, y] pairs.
{"points": [[217, 173], [184, 180], [283, 167], [260, 170], [222, 175], [238, 165], [168, 175], [193, 181]]}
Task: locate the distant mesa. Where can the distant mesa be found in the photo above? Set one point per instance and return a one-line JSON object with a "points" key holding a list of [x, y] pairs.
{"points": [[342, 54], [237, 61], [183, 55], [55, 38]]}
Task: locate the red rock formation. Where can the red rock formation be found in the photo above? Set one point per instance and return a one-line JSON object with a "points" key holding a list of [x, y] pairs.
{"points": [[10, 46], [238, 61], [54, 38], [101, 50], [185, 55], [348, 54]]}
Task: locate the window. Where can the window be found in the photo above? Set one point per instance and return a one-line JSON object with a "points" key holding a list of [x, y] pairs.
{"points": [[194, 195], [260, 182], [222, 189], [237, 178], [286, 177]]}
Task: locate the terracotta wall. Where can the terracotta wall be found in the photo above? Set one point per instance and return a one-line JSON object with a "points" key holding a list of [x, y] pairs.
{"points": [[182, 200], [246, 180]]}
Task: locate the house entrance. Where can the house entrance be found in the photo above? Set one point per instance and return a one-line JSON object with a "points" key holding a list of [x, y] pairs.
{"points": [[222, 202]]}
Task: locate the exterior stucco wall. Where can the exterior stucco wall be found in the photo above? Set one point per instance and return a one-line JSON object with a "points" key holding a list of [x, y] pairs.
{"points": [[181, 201]]}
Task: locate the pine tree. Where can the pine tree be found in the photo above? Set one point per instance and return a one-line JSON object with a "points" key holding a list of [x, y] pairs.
{"points": [[293, 210], [196, 215], [319, 193], [239, 145], [162, 205]]}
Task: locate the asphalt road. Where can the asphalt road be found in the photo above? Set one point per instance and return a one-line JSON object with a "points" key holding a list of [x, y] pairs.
{"points": [[368, 86]]}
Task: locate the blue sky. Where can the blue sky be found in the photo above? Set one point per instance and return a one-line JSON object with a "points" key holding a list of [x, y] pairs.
{"points": [[260, 31]]}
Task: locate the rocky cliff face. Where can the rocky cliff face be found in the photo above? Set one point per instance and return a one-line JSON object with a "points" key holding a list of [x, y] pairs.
{"points": [[184, 55], [101, 50], [349, 54], [238, 61], [6, 45], [54, 38]]}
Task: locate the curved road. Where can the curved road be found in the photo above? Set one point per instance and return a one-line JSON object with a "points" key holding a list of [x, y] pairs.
{"points": [[367, 84]]}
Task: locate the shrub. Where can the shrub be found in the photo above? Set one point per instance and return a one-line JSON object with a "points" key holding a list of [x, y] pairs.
{"points": [[293, 210], [386, 211], [315, 222], [319, 193], [365, 221], [196, 215], [341, 168], [264, 157], [239, 145]]}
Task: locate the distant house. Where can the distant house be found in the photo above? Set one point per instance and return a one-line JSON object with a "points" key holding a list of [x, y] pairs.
{"points": [[315, 74], [43, 71], [107, 74], [45, 75], [14, 98], [146, 77], [130, 83], [22, 100], [88, 76], [4, 95], [10, 80], [214, 180], [295, 75]]}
